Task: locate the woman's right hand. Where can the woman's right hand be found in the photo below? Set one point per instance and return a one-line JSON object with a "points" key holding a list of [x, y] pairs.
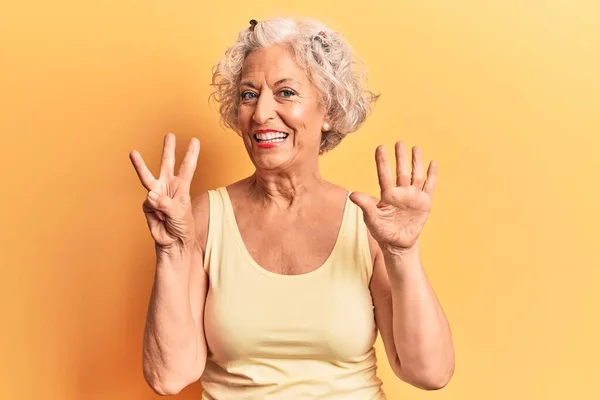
{"points": [[168, 205]]}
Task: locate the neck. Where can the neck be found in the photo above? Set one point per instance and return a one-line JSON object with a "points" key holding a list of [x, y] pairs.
{"points": [[285, 189]]}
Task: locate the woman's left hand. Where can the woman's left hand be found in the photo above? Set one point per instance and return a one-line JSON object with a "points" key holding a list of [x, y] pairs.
{"points": [[396, 221]]}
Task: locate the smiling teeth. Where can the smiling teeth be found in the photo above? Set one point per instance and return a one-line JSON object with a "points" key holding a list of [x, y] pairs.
{"points": [[270, 135]]}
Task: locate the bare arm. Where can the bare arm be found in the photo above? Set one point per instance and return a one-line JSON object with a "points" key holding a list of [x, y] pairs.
{"points": [[174, 345], [174, 348], [174, 341], [414, 329], [415, 332]]}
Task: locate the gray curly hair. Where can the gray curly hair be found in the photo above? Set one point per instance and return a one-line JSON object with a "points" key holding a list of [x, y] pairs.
{"points": [[332, 68]]}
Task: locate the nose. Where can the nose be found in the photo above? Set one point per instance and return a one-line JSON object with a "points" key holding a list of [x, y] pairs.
{"points": [[265, 109]]}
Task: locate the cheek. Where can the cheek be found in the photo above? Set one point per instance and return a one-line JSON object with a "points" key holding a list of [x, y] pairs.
{"points": [[297, 112], [241, 116], [244, 121], [297, 119], [304, 118]]}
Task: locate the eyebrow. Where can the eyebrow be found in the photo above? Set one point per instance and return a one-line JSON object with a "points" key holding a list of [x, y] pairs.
{"points": [[285, 80], [249, 84], [279, 82]]}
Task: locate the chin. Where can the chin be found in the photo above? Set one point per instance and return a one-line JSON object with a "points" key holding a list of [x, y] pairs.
{"points": [[270, 162]]}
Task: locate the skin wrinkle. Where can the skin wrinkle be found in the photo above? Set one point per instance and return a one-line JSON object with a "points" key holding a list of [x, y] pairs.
{"points": [[268, 73], [340, 78]]}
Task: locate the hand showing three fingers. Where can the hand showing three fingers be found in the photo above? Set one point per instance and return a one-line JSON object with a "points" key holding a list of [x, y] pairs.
{"points": [[397, 219], [168, 206]]}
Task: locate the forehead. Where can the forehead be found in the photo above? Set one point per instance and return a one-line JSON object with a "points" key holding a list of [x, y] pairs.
{"points": [[272, 63]]}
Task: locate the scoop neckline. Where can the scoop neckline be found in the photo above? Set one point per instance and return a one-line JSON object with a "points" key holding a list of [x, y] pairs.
{"points": [[255, 265]]}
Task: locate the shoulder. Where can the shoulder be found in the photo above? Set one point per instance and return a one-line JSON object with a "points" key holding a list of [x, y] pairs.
{"points": [[201, 211], [335, 193]]}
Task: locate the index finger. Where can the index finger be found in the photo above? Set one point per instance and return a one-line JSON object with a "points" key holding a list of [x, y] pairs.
{"points": [[188, 165], [384, 173], [142, 170]]}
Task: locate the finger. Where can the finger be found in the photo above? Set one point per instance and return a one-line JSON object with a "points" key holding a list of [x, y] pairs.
{"points": [[146, 177], [152, 216], [167, 164], [432, 173], [152, 222], [161, 203], [188, 165], [417, 168], [402, 167], [150, 209], [367, 203], [384, 173]]}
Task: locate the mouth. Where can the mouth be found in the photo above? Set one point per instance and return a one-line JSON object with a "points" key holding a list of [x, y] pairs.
{"points": [[270, 139]]}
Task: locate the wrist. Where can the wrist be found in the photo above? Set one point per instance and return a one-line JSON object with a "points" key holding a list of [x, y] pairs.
{"points": [[399, 252], [176, 251], [402, 262]]}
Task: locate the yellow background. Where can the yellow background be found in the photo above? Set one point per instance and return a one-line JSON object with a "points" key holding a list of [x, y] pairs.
{"points": [[503, 94]]}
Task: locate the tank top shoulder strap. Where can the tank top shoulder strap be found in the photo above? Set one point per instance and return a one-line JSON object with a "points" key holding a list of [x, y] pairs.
{"points": [[218, 217], [354, 244]]}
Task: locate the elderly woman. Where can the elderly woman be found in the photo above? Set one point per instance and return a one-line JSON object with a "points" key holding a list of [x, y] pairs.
{"points": [[275, 286]]}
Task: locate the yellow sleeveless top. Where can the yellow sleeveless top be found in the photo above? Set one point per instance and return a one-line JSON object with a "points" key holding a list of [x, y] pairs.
{"points": [[288, 337]]}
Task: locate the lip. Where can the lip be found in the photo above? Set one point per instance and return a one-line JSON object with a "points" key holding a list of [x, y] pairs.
{"points": [[268, 145]]}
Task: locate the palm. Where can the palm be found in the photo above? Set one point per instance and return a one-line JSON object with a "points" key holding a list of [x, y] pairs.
{"points": [[398, 218], [170, 217], [170, 186]]}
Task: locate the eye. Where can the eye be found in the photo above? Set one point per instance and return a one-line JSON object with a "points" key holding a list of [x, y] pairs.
{"points": [[287, 93], [248, 95]]}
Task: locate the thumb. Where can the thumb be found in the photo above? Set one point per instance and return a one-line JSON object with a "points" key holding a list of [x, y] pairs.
{"points": [[368, 204]]}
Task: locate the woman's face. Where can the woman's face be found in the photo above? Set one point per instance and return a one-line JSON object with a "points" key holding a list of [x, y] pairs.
{"points": [[280, 115]]}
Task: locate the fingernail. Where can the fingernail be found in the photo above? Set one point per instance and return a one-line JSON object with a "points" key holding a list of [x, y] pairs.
{"points": [[153, 195]]}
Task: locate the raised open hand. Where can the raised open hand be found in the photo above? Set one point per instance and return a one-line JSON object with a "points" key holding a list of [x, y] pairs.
{"points": [[396, 221], [168, 206]]}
